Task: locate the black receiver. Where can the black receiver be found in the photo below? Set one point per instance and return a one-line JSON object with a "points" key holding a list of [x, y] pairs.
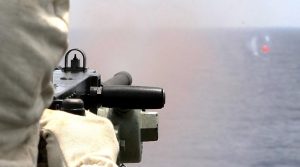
{"points": [[84, 83]]}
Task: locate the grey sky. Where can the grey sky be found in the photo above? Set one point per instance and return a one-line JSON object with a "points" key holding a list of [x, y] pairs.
{"points": [[143, 14]]}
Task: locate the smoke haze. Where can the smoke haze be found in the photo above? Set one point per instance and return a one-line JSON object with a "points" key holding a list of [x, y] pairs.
{"points": [[227, 102]]}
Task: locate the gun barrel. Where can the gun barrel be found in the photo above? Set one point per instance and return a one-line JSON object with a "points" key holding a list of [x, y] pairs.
{"points": [[120, 78], [132, 97]]}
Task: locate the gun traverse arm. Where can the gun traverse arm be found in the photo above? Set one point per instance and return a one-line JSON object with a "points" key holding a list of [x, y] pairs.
{"points": [[132, 97]]}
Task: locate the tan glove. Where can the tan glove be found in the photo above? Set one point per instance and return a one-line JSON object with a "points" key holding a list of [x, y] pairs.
{"points": [[74, 141]]}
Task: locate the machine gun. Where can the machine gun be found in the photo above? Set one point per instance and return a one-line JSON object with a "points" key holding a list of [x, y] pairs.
{"points": [[78, 88]]}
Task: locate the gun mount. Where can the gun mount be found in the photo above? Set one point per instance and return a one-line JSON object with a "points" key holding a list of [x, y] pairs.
{"points": [[78, 88]]}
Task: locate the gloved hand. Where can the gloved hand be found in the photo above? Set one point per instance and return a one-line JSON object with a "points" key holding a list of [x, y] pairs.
{"points": [[74, 141]]}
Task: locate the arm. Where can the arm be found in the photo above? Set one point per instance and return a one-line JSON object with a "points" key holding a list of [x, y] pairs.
{"points": [[33, 37]]}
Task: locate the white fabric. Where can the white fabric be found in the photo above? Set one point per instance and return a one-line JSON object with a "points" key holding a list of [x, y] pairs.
{"points": [[33, 37], [82, 140]]}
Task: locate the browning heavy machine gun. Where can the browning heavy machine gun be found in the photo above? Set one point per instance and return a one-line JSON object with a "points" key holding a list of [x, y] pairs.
{"points": [[78, 88]]}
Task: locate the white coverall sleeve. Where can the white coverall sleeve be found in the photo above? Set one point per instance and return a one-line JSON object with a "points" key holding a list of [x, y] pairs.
{"points": [[33, 37]]}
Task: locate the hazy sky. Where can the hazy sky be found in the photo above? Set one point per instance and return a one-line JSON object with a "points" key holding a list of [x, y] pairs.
{"points": [[141, 14]]}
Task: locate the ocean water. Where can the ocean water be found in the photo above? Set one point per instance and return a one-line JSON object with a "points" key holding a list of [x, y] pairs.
{"points": [[233, 95]]}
